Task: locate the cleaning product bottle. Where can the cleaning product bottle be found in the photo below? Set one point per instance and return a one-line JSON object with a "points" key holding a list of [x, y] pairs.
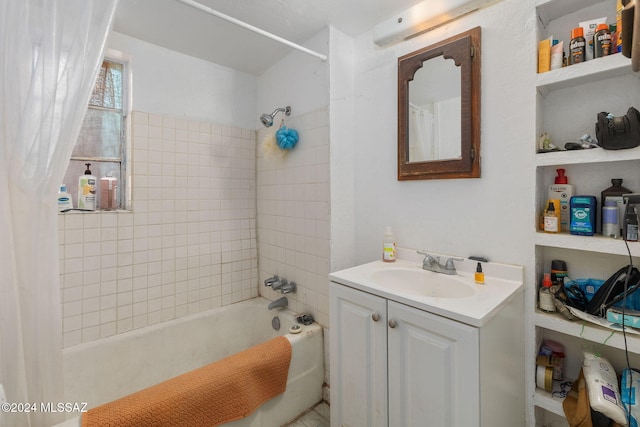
{"points": [[87, 190], [64, 199], [388, 246], [551, 219], [479, 275], [614, 193], [562, 190]]}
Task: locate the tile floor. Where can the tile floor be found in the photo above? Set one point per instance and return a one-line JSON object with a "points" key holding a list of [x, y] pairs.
{"points": [[318, 416]]}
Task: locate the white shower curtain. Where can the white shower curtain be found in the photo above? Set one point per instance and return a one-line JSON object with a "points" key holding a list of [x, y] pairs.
{"points": [[421, 133], [49, 58]]}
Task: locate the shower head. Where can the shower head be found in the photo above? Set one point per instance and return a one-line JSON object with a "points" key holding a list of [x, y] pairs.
{"points": [[267, 119]]}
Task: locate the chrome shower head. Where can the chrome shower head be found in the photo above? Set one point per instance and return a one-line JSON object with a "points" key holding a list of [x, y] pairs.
{"points": [[267, 119]]}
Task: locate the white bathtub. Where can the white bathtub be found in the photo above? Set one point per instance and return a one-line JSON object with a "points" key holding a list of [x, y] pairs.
{"points": [[105, 370]]}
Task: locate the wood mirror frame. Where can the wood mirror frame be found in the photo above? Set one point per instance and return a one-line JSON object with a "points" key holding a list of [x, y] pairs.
{"points": [[464, 49]]}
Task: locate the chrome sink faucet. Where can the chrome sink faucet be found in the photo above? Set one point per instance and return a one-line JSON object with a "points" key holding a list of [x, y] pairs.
{"points": [[432, 263]]}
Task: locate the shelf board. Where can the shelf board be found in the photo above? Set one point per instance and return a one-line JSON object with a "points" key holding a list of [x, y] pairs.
{"points": [[586, 72], [597, 243], [543, 399], [594, 155], [548, 10], [586, 330]]}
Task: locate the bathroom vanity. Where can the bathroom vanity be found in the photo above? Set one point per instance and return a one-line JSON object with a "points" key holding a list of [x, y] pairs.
{"points": [[411, 347]]}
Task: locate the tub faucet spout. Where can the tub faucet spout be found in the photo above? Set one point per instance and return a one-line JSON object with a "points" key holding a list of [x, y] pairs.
{"points": [[279, 303]]}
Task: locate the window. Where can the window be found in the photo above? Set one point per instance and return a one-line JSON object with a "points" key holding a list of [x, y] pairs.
{"points": [[102, 139]]}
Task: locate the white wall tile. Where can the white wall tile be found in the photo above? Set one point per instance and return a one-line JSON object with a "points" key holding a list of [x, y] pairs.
{"points": [[126, 270]]}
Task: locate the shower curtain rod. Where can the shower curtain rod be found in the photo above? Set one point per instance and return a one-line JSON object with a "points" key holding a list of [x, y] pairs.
{"points": [[257, 30]]}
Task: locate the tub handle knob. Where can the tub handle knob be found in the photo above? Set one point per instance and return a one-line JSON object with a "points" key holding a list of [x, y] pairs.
{"points": [[392, 323], [375, 317]]}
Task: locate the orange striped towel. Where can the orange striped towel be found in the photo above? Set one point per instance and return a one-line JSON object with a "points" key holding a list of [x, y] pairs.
{"points": [[223, 391]]}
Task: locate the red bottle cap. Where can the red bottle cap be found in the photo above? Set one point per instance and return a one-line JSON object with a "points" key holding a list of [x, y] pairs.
{"points": [[561, 179]]}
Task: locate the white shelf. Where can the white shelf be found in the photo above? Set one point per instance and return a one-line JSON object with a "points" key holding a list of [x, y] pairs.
{"points": [[586, 72], [588, 331], [594, 155], [596, 243], [548, 10], [543, 399]]}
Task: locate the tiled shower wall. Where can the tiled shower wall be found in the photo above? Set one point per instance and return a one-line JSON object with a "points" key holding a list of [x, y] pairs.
{"points": [[187, 245], [294, 212]]}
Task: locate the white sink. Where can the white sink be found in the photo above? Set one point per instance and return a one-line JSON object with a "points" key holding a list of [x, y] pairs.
{"points": [[423, 283], [456, 297]]}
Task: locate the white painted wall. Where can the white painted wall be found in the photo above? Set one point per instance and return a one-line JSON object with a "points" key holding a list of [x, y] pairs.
{"points": [[168, 82], [490, 216]]}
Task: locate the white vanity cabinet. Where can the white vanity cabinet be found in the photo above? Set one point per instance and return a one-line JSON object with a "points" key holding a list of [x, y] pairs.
{"points": [[396, 365]]}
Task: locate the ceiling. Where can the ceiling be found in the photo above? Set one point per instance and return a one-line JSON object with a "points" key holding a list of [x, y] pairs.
{"points": [[182, 28]]}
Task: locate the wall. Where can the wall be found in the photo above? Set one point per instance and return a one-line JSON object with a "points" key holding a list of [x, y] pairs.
{"points": [[293, 192], [166, 82], [190, 242], [490, 216]]}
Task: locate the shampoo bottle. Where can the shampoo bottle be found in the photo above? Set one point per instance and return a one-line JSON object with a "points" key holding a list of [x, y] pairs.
{"points": [[562, 190], [87, 190], [388, 246], [64, 199]]}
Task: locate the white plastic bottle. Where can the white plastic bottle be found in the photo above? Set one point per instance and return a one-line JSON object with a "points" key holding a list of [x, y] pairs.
{"points": [[87, 190], [64, 199], [388, 246]]}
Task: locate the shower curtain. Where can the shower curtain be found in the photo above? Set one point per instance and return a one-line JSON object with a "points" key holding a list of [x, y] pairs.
{"points": [[51, 52], [421, 134]]}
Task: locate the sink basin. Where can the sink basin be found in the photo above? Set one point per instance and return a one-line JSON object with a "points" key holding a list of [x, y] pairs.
{"points": [[423, 283]]}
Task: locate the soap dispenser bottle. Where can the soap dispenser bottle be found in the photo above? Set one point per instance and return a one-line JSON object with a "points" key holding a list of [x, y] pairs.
{"points": [[87, 190], [562, 190], [388, 246]]}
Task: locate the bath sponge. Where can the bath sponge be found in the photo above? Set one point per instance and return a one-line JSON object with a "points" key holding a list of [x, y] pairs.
{"points": [[287, 138]]}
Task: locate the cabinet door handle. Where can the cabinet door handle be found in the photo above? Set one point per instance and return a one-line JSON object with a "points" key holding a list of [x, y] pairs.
{"points": [[375, 317], [392, 323]]}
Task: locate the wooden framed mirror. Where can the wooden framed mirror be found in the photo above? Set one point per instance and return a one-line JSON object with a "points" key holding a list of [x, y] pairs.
{"points": [[439, 110]]}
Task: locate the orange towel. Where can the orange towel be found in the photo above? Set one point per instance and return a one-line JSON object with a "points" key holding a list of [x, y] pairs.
{"points": [[220, 392]]}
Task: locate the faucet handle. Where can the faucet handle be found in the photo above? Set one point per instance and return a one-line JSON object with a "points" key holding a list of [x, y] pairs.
{"points": [[449, 264], [271, 280]]}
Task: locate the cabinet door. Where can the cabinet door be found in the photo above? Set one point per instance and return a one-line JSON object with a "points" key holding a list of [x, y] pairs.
{"points": [[433, 370], [358, 346]]}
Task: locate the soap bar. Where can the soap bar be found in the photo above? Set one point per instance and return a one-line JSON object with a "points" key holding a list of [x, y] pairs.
{"points": [[583, 215]]}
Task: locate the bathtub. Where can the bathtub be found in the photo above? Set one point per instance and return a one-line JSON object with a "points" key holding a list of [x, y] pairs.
{"points": [[101, 371]]}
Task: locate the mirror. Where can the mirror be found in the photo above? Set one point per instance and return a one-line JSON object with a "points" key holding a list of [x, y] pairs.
{"points": [[439, 110]]}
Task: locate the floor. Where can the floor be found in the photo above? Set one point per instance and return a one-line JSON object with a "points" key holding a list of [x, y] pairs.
{"points": [[318, 416]]}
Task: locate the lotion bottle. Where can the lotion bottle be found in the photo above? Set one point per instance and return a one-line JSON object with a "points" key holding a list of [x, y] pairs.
{"points": [[388, 246], [65, 201], [562, 190], [87, 190]]}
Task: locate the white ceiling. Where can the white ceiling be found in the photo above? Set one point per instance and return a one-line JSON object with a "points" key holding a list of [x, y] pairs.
{"points": [[182, 28]]}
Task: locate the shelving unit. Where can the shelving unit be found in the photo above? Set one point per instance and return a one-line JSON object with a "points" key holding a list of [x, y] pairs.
{"points": [[568, 100]]}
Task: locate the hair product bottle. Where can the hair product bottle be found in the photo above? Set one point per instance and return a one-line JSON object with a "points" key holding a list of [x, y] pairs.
{"points": [[108, 192], [577, 46], [87, 190]]}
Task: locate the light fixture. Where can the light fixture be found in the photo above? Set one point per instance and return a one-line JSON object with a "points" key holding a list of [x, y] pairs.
{"points": [[423, 17]]}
